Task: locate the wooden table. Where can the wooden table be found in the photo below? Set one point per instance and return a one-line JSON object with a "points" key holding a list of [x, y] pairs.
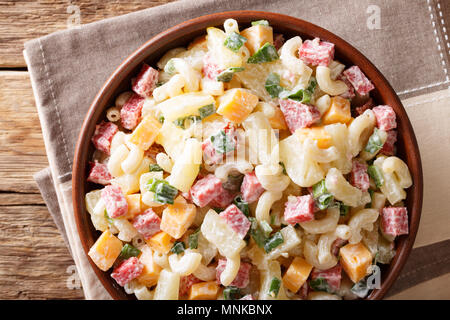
{"points": [[34, 261]]}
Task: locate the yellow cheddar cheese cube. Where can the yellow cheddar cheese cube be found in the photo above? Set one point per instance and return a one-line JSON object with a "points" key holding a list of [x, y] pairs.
{"points": [[318, 134], [105, 250], [355, 259], [134, 205], [277, 121], [150, 273], [296, 274], [177, 218], [339, 111], [257, 36], [204, 291], [145, 133], [236, 104], [161, 242]]}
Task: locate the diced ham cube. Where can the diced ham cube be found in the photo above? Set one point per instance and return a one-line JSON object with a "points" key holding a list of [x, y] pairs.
{"points": [[350, 94], [298, 115], [389, 145], [359, 176], [186, 283], [146, 81], [394, 221], [242, 278], [336, 245], [131, 112], [316, 52], [247, 297], [205, 190], [251, 188], [386, 119], [366, 106], [104, 132], [222, 200], [359, 80], [128, 270], [115, 202], [99, 173], [299, 209], [236, 220], [210, 155], [278, 40], [210, 68], [332, 276], [148, 223]]}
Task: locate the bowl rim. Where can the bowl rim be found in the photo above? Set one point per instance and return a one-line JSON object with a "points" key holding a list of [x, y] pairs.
{"points": [[78, 172]]}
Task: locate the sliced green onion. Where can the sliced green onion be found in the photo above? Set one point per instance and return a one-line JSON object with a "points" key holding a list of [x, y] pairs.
{"points": [[266, 53], [129, 251], [222, 143], [274, 241], [319, 284], [284, 167], [178, 247], [371, 192], [193, 239], [343, 209], [375, 142], [302, 95], [231, 293], [227, 74], [312, 85], [155, 167], [234, 41], [170, 67], [275, 286], [376, 174], [242, 205], [161, 118], [324, 201], [180, 122], [256, 233], [266, 228], [164, 192], [360, 289], [218, 210], [110, 220], [319, 189], [260, 23], [206, 111], [272, 85]]}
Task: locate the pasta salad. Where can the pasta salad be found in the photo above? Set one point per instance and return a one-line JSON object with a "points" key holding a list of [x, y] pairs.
{"points": [[247, 167]]}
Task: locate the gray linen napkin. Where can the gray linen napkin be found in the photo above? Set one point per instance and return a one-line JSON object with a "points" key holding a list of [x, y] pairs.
{"points": [[68, 68]]}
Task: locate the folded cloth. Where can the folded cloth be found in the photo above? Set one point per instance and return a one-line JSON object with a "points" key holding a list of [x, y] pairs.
{"points": [[67, 69]]}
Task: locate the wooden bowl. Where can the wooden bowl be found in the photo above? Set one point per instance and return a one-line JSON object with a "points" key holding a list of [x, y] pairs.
{"points": [[181, 35]]}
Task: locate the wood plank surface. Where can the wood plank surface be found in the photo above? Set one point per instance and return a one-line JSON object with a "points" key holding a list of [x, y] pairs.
{"points": [[23, 20]]}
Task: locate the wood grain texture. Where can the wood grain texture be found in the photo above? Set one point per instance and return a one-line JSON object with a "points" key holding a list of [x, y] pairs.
{"points": [[24, 20]]}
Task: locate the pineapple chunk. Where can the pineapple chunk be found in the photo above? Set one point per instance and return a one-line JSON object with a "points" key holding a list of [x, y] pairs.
{"points": [[134, 205], [105, 250], [257, 36], [161, 242], [150, 273], [177, 218], [223, 56], [168, 286], [339, 111], [203, 291], [172, 139], [237, 104], [296, 274], [355, 259], [318, 134], [145, 133], [184, 105], [277, 120]]}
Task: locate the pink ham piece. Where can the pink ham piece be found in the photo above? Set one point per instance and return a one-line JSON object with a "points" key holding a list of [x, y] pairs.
{"points": [[104, 132], [99, 173], [128, 270], [350, 94], [242, 278], [359, 176], [316, 52], [394, 221], [332, 276], [298, 115], [115, 202], [389, 145], [358, 80], [247, 297], [186, 283], [223, 199], [251, 189], [205, 190], [131, 112], [148, 223], [210, 68], [210, 155], [146, 81], [236, 220], [386, 119], [299, 209]]}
